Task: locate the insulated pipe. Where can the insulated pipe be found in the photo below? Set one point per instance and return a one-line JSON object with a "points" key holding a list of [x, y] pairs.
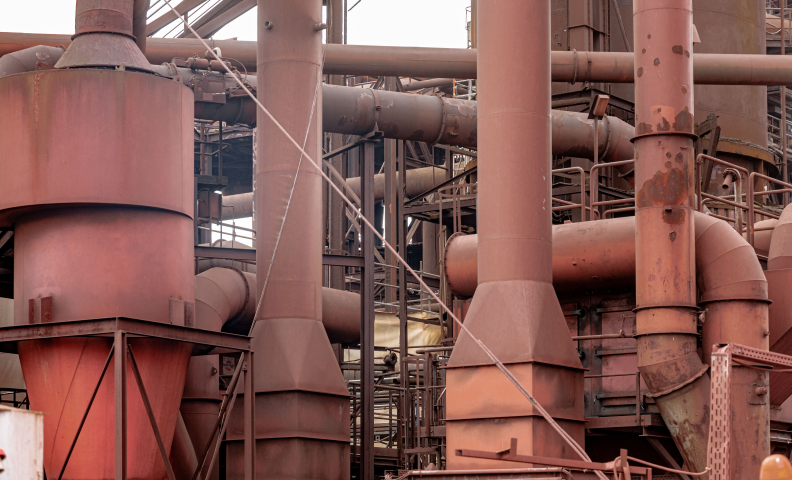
{"points": [[666, 312], [27, 59], [608, 67], [515, 311]]}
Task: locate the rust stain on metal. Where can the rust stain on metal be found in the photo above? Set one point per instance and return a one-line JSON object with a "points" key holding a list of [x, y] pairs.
{"points": [[640, 71], [677, 49], [684, 121], [657, 61], [664, 188], [663, 127], [642, 129], [678, 157]]}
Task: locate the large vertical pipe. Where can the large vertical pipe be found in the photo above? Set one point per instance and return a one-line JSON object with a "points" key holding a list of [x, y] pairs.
{"points": [[666, 322], [302, 423], [336, 208], [515, 311]]}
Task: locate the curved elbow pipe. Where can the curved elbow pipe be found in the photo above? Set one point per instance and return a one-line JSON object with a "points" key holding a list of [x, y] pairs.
{"points": [[27, 59], [225, 301], [734, 295], [779, 276], [601, 254]]}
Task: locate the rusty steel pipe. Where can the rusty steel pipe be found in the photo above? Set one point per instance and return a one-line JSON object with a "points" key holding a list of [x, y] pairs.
{"points": [[733, 290], [515, 311], [666, 312], [104, 36], [422, 118], [139, 17], [304, 427], [609, 67], [779, 278], [224, 302]]}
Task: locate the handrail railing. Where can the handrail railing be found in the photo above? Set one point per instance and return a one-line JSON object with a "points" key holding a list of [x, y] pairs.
{"points": [[752, 194], [565, 205], [594, 179], [742, 175]]}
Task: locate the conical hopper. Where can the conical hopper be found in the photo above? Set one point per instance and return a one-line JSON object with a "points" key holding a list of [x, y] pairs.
{"points": [[97, 184], [60, 376]]}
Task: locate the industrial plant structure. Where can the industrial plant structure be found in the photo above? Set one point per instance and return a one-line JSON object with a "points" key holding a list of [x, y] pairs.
{"points": [[609, 294]]}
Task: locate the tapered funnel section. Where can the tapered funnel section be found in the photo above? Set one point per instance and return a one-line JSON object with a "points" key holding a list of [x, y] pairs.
{"points": [[98, 185], [103, 37], [515, 311], [302, 402]]}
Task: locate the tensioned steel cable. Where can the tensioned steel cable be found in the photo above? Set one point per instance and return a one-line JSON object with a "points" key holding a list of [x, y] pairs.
{"points": [[291, 192], [567, 438]]}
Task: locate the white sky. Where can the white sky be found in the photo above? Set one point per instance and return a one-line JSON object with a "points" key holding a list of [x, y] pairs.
{"points": [[415, 23]]}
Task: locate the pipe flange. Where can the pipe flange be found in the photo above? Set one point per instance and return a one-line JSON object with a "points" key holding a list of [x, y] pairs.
{"points": [[377, 109], [687, 382], [646, 307], [574, 73], [443, 124], [247, 296]]}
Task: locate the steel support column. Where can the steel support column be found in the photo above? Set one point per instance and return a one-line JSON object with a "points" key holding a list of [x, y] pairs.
{"points": [[367, 317]]}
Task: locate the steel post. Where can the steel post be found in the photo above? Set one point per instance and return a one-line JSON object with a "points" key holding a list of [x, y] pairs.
{"points": [[367, 317], [119, 382]]}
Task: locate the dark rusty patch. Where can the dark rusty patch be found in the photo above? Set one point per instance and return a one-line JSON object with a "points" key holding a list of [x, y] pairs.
{"points": [[679, 157], [668, 154], [640, 71], [672, 236], [643, 128], [643, 50], [677, 49], [649, 36], [687, 54], [664, 188], [674, 216], [656, 61], [684, 89], [342, 121], [663, 127], [684, 121]]}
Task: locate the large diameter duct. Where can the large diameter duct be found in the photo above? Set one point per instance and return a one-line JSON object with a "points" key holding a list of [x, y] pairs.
{"points": [[733, 27], [224, 300], [779, 278], [735, 304], [302, 423], [733, 289], [586, 256], [27, 59], [607, 67], [515, 311], [358, 111], [78, 144], [666, 312]]}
